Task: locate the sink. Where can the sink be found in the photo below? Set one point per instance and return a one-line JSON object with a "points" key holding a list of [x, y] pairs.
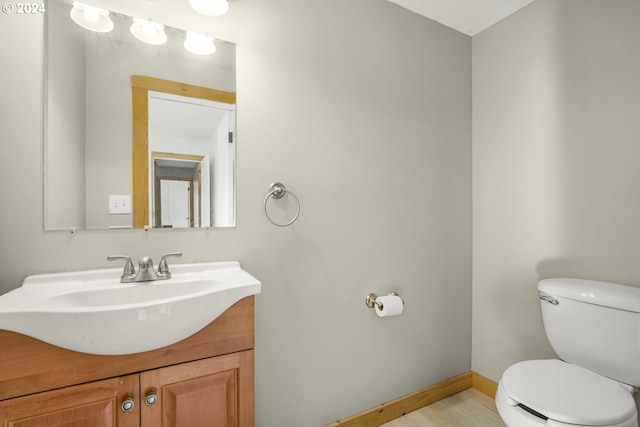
{"points": [[92, 312]]}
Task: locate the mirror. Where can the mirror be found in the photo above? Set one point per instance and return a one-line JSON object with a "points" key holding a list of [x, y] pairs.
{"points": [[136, 135]]}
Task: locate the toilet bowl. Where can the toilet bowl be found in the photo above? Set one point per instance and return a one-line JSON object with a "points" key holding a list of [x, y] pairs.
{"points": [[594, 328], [554, 393]]}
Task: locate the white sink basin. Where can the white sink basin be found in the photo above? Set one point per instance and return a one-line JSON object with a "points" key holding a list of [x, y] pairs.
{"points": [[92, 312]]}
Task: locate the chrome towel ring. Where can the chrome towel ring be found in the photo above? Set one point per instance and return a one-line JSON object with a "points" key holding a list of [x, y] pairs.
{"points": [[277, 191]]}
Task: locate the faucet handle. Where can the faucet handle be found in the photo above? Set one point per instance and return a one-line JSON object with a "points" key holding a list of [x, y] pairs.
{"points": [[129, 269], [163, 267]]}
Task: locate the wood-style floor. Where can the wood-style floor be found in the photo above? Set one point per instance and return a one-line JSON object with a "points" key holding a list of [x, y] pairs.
{"points": [[469, 408]]}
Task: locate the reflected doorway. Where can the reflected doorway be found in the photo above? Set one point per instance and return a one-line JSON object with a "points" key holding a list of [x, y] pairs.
{"points": [[181, 186], [174, 203]]}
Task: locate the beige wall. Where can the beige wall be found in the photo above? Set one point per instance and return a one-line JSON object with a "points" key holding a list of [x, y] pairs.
{"points": [[556, 108], [372, 130], [364, 110]]}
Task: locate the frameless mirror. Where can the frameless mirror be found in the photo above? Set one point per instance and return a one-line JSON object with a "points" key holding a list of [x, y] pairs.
{"points": [[136, 135]]}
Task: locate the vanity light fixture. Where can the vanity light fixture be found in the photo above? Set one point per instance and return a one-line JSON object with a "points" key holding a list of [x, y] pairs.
{"points": [[96, 19], [210, 7], [199, 44], [92, 18], [148, 32]]}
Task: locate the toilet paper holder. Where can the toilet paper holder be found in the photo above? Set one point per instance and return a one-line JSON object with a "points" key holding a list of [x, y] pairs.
{"points": [[371, 302]]}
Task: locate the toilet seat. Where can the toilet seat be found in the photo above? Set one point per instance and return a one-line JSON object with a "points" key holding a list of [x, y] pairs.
{"points": [[567, 393]]}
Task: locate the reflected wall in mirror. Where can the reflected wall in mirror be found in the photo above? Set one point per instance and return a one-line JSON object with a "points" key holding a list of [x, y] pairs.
{"points": [[127, 118]]}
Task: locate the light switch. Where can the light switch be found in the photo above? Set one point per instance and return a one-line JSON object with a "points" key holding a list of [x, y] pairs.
{"points": [[119, 204]]}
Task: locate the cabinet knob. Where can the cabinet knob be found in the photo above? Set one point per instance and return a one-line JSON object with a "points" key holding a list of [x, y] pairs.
{"points": [[127, 405], [151, 398]]}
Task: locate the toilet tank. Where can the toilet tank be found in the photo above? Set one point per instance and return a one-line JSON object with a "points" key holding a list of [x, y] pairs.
{"points": [[595, 325]]}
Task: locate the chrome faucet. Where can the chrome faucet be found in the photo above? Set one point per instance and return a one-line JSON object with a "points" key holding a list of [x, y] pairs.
{"points": [[145, 271]]}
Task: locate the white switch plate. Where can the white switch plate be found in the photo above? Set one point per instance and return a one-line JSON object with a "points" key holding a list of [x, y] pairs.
{"points": [[119, 205]]}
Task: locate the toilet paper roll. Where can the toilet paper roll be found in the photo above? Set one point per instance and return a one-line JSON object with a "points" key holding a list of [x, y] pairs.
{"points": [[392, 305]]}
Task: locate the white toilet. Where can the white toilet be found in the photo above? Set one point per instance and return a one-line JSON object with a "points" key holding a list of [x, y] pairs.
{"points": [[594, 327]]}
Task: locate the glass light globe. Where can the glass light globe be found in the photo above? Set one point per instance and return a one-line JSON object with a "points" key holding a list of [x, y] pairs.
{"points": [[210, 7], [199, 44], [91, 18], [148, 32]]}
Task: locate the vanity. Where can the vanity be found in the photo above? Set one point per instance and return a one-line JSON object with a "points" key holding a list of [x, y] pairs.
{"points": [[203, 379], [206, 379], [87, 349]]}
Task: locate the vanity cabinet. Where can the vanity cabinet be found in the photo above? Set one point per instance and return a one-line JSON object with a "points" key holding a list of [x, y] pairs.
{"points": [[93, 404], [201, 393], [204, 380]]}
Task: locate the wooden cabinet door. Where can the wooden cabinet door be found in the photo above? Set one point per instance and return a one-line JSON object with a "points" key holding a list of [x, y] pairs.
{"points": [[96, 404], [214, 392]]}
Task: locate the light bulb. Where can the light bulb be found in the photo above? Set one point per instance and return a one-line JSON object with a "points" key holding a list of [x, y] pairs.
{"points": [[91, 14], [199, 44], [148, 32], [210, 7], [91, 18]]}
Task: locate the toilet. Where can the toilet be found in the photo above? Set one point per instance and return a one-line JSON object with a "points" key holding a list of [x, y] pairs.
{"points": [[594, 328]]}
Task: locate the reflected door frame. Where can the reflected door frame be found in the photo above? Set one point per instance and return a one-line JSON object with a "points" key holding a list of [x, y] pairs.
{"points": [[140, 87]]}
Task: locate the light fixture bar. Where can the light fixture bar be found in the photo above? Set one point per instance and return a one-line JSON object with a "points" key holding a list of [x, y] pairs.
{"points": [[96, 19]]}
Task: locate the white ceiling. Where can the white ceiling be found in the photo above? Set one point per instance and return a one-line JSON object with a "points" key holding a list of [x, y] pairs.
{"points": [[467, 16]]}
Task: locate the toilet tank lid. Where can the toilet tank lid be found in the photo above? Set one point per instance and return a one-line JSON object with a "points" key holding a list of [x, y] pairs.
{"points": [[606, 294]]}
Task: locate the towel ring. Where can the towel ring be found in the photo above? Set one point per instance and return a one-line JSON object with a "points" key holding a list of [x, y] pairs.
{"points": [[277, 191]]}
